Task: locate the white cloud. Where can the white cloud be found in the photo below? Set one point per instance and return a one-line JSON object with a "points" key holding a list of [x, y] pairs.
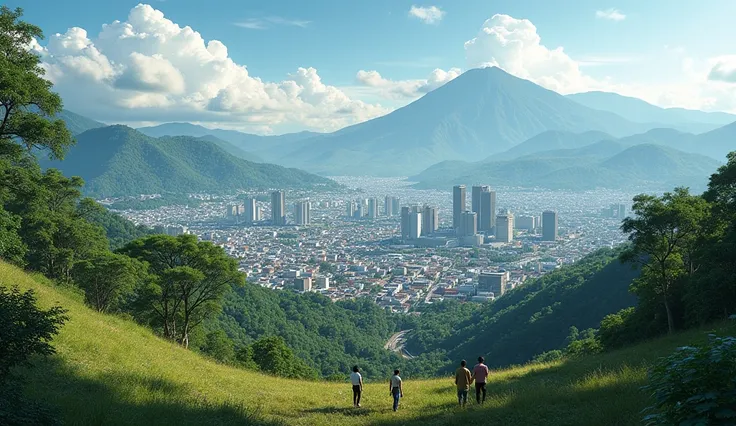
{"points": [[406, 89], [148, 68], [428, 15], [514, 45], [610, 14], [263, 23], [723, 68]]}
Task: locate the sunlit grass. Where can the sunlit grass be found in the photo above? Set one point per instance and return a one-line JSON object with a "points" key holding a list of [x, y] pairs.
{"points": [[110, 371]]}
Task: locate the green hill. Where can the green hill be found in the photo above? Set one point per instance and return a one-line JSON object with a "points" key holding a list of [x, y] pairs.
{"points": [[110, 371], [78, 124], [118, 160]]}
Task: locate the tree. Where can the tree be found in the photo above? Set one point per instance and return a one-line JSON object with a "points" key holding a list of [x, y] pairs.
{"points": [[219, 347], [25, 330], [663, 234], [107, 279], [190, 278], [12, 248], [273, 356], [26, 101]]}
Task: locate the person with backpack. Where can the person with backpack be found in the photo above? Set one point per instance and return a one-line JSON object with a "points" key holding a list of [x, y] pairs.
{"points": [[480, 375], [397, 389], [463, 380], [357, 381]]}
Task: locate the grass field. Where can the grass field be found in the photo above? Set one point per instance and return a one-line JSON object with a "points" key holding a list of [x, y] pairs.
{"points": [[109, 371]]}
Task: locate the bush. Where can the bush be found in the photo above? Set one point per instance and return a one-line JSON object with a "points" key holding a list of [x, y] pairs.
{"points": [[695, 385], [549, 356], [25, 330]]}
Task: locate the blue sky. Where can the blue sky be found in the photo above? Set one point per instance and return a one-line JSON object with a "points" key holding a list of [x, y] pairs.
{"points": [[665, 47]]}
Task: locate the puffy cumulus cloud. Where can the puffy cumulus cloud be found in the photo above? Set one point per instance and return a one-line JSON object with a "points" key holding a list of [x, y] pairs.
{"points": [[723, 68], [514, 45], [428, 15], [149, 68], [610, 14], [406, 89]]}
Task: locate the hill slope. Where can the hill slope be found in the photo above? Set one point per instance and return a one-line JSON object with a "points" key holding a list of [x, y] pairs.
{"points": [[551, 140], [482, 112], [606, 164], [640, 111], [78, 124], [118, 160], [113, 372]]}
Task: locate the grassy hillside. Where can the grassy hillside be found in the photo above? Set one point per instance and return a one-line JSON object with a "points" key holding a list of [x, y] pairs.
{"points": [[110, 371]]}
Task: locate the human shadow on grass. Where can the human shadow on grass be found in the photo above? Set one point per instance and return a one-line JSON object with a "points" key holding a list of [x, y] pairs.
{"points": [[343, 411], [119, 398]]}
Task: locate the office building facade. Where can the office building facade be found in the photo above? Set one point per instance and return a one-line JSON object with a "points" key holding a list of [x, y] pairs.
{"points": [[493, 282], [303, 284], [372, 208], [430, 220], [302, 212], [469, 225], [251, 210], [505, 227], [458, 206], [549, 225], [278, 208]]}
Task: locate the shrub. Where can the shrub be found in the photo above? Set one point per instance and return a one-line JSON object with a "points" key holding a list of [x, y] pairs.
{"points": [[696, 385]]}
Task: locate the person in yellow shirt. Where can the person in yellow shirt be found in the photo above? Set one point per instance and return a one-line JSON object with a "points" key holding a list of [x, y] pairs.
{"points": [[463, 380]]}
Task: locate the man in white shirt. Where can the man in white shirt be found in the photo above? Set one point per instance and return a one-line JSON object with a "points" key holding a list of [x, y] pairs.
{"points": [[397, 390], [357, 380]]}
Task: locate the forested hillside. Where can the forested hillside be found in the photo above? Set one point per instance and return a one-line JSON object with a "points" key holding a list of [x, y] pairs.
{"points": [[534, 318], [331, 337]]}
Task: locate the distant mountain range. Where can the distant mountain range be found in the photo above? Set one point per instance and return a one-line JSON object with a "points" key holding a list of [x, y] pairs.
{"points": [[602, 164], [265, 148], [639, 111], [118, 160], [76, 123]]}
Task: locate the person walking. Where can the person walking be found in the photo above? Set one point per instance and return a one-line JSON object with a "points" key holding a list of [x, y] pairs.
{"points": [[357, 381], [480, 375], [397, 388], [463, 380]]}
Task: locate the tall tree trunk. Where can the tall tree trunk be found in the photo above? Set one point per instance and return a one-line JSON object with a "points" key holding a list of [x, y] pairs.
{"points": [[670, 317]]}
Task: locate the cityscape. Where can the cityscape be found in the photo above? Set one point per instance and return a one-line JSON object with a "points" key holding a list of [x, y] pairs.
{"points": [[380, 238]]}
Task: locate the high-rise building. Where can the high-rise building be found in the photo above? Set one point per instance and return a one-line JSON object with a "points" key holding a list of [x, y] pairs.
{"points": [[622, 211], [303, 284], [549, 225], [405, 223], [372, 208], [505, 227], [350, 209], [484, 205], [493, 282], [430, 220], [458, 206], [251, 210], [231, 211], [528, 223], [302, 212], [322, 282], [391, 206], [360, 210], [278, 208], [415, 225], [469, 224]]}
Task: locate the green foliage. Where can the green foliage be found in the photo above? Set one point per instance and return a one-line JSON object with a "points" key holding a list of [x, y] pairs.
{"points": [[108, 279], [549, 356], [695, 386], [119, 230], [273, 356], [12, 248], [120, 161], [23, 91], [581, 344], [25, 330], [219, 347], [188, 281], [330, 337]]}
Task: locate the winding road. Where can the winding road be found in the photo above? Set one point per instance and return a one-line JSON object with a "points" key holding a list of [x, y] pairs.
{"points": [[396, 344]]}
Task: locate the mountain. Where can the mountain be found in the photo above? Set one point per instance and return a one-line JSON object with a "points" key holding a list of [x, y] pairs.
{"points": [[639, 111], [482, 112], [551, 140], [269, 148], [227, 147], [118, 160], [605, 164], [717, 143]]}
